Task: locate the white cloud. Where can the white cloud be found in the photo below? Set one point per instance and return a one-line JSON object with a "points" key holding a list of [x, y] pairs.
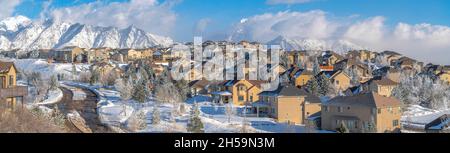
{"points": [[273, 2], [426, 42], [265, 27], [149, 15], [201, 26], [369, 30], [7, 7]]}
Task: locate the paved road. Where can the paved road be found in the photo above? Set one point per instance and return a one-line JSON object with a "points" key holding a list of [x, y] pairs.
{"points": [[86, 108]]}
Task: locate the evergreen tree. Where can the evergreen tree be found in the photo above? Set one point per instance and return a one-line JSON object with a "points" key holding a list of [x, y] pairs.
{"points": [[140, 92], [313, 87], [195, 124], [325, 86], [343, 128], [95, 75]]}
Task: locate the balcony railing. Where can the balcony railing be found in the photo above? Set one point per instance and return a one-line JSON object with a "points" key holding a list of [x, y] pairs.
{"points": [[15, 91]]}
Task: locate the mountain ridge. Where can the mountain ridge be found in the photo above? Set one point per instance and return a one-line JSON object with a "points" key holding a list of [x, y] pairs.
{"points": [[21, 33]]}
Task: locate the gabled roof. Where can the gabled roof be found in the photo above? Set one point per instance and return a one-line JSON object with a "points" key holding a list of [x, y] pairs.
{"points": [[303, 72], [6, 66], [381, 81], [285, 90], [440, 123], [331, 74], [365, 100]]}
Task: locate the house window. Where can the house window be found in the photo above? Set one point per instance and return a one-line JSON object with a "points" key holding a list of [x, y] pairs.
{"points": [[325, 108], [395, 123], [251, 98], [241, 98], [11, 80], [337, 82], [379, 110], [340, 109], [2, 79]]}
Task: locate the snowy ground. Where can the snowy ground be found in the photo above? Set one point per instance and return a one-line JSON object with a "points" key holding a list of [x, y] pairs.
{"points": [[47, 69], [54, 96]]}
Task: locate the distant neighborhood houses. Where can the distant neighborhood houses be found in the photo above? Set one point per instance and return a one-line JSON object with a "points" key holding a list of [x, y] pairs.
{"points": [[352, 92]]}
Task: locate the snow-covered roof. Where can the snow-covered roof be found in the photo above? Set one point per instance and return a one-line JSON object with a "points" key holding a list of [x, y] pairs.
{"points": [[222, 93]]}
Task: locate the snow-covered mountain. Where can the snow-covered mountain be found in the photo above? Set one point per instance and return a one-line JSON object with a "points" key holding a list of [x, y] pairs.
{"points": [[315, 44], [22, 33]]}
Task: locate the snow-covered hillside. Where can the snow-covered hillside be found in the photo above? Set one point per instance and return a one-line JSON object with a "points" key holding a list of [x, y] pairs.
{"points": [[22, 33]]}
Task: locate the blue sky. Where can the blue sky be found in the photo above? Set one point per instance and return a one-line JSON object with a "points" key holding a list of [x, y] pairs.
{"points": [[225, 12], [222, 14], [414, 26]]}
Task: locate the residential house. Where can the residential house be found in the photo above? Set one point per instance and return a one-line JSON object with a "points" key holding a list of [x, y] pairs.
{"points": [[359, 69], [339, 79], [146, 53], [223, 91], [70, 54], [302, 77], [362, 55], [390, 57], [129, 55], [99, 54], [444, 76], [367, 112], [246, 91], [39, 54], [381, 85], [203, 87], [439, 125], [287, 104], [330, 58], [408, 63], [10, 93]]}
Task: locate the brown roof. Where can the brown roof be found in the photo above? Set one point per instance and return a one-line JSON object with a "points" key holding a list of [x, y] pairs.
{"points": [[5, 66], [257, 83], [199, 83], [365, 100], [381, 81]]}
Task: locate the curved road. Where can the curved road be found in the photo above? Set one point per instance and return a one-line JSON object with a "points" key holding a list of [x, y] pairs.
{"points": [[86, 108]]}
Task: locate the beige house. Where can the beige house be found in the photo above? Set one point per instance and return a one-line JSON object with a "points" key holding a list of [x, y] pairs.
{"points": [[10, 93], [368, 112], [99, 54], [444, 76], [287, 104], [246, 91], [302, 77], [361, 55], [381, 85], [339, 79], [70, 54]]}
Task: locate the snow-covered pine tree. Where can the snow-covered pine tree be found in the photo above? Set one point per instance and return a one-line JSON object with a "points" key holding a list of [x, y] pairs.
{"points": [[229, 111], [325, 86], [140, 92], [195, 124], [313, 86]]}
